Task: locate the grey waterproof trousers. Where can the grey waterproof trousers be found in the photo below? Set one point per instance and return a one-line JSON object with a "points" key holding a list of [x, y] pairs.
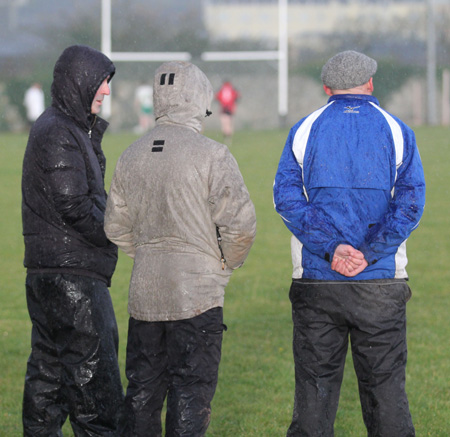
{"points": [[180, 360], [373, 315], [72, 370]]}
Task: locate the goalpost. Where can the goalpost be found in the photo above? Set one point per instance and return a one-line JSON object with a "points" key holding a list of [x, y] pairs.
{"points": [[280, 55]]}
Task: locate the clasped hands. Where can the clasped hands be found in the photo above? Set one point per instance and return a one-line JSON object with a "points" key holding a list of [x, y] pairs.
{"points": [[348, 261]]}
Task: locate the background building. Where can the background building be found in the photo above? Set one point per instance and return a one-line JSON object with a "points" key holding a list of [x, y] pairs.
{"points": [[395, 32], [312, 21]]}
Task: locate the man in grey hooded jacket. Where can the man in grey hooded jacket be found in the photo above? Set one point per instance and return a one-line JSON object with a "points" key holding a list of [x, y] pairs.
{"points": [[178, 205]]}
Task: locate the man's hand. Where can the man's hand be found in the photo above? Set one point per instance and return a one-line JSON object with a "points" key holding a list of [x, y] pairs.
{"points": [[348, 261]]}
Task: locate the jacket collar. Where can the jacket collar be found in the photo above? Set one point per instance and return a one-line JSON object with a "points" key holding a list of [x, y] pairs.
{"points": [[366, 97]]}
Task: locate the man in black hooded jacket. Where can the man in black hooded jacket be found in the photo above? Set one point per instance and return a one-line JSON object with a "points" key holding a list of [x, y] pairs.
{"points": [[72, 369]]}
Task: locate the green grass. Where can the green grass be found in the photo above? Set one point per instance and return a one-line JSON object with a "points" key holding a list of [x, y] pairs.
{"points": [[255, 392]]}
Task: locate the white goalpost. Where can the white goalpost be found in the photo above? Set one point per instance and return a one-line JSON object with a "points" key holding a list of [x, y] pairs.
{"points": [[280, 55]]}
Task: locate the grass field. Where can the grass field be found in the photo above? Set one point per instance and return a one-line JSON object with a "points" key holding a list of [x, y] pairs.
{"points": [[255, 392]]}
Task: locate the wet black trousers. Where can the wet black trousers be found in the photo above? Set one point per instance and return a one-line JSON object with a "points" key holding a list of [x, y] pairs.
{"points": [[72, 370], [373, 315], [180, 360]]}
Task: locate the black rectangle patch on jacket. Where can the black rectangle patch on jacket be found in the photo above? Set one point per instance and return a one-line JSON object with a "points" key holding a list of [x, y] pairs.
{"points": [[162, 80], [158, 144]]}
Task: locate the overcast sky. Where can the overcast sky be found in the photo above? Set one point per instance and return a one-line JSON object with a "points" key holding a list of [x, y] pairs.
{"points": [[22, 21]]}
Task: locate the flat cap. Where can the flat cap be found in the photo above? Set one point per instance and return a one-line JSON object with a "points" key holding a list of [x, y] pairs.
{"points": [[347, 70]]}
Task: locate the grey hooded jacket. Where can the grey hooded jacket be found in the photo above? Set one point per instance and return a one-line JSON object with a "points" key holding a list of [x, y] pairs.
{"points": [[170, 191]]}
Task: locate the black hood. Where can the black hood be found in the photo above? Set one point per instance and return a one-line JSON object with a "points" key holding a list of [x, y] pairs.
{"points": [[78, 74]]}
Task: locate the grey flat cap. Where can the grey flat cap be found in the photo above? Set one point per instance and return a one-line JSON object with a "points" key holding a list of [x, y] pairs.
{"points": [[347, 70]]}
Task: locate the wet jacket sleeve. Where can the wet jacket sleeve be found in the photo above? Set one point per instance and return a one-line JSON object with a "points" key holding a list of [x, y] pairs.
{"points": [[118, 225], [311, 225], [405, 208], [232, 210], [67, 178]]}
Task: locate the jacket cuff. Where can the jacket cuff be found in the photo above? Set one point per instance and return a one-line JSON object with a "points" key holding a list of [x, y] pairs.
{"points": [[330, 249], [369, 255]]}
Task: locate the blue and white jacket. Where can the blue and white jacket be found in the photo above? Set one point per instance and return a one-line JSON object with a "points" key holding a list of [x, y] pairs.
{"points": [[350, 173]]}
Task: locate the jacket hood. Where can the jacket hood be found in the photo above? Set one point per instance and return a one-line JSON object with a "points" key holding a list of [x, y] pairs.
{"points": [[78, 74], [182, 94]]}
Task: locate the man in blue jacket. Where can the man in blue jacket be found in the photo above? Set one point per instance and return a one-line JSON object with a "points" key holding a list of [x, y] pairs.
{"points": [[350, 187]]}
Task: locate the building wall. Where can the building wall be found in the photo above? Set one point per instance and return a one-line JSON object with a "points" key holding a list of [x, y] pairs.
{"points": [[255, 20]]}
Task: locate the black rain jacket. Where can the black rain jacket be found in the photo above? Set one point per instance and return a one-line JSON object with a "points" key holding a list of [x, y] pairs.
{"points": [[63, 195]]}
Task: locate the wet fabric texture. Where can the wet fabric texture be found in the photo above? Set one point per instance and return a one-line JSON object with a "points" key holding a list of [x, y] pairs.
{"points": [[63, 194], [170, 192], [373, 315], [180, 360], [350, 173], [72, 370]]}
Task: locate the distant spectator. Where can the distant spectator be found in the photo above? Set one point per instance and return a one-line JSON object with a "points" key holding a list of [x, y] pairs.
{"points": [[144, 103], [34, 102], [227, 97]]}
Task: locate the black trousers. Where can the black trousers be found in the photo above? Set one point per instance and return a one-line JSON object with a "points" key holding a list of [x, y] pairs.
{"points": [[72, 370], [373, 315], [180, 360]]}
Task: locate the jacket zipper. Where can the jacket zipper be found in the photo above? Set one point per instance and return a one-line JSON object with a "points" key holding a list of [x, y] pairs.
{"points": [[219, 242], [92, 126]]}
